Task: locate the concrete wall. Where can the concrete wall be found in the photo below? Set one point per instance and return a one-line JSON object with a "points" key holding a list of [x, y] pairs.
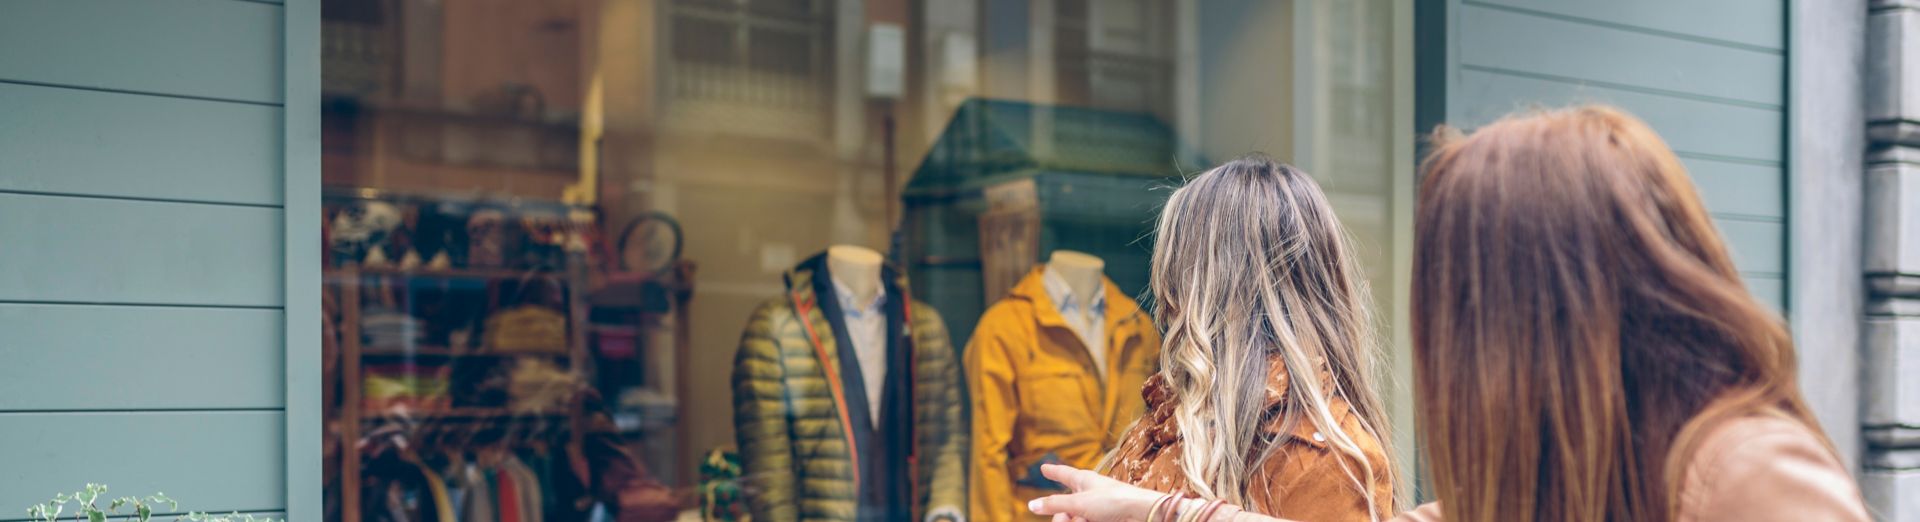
{"points": [[1890, 415]]}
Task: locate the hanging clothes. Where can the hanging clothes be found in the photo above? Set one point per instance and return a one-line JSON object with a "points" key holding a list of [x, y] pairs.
{"points": [[531, 501], [437, 488], [450, 473], [508, 495], [479, 505]]}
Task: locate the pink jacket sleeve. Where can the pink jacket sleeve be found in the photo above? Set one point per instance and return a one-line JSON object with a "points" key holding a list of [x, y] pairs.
{"points": [[1428, 512], [1764, 469], [1754, 469]]}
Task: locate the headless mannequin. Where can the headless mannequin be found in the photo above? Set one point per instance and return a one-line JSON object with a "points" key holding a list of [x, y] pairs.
{"points": [[1082, 273], [857, 271], [857, 267]]}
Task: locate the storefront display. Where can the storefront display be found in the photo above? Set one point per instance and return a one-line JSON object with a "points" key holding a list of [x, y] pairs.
{"points": [[847, 399], [518, 192], [1055, 370]]}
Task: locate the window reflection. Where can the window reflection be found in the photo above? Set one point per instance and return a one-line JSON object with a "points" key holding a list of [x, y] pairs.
{"points": [[551, 223]]}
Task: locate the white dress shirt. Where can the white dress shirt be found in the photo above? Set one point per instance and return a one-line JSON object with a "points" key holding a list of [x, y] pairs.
{"points": [[1089, 323], [866, 325]]}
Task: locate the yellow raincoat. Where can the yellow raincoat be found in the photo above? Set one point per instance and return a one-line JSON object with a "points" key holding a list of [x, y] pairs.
{"points": [[1038, 398]]}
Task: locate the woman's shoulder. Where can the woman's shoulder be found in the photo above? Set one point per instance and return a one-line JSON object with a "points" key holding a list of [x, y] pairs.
{"points": [[1767, 467], [1428, 512], [1735, 443]]}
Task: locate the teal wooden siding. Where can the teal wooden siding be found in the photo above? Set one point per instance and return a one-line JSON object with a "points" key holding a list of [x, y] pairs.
{"points": [[145, 162], [1709, 75], [165, 355], [62, 152]]}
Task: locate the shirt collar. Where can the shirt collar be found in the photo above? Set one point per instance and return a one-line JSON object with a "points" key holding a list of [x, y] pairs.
{"points": [[1062, 295], [847, 300]]}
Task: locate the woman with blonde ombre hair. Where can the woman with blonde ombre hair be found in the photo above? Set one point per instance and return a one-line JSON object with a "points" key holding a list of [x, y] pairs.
{"points": [[1266, 396], [1584, 348]]}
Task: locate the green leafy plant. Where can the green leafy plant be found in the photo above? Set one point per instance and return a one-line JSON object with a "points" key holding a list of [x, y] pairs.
{"points": [[86, 507]]}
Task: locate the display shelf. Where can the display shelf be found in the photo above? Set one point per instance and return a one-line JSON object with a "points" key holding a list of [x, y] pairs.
{"points": [[456, 414], [396, 351], [442, 351], [491, 274]]}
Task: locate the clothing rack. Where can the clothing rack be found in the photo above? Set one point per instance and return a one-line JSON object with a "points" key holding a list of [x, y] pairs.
{"points": [[355, 423], [416, 423]]}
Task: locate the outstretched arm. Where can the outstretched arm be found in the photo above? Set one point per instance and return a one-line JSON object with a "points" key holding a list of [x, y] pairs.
{"points": [[1096, 498]]}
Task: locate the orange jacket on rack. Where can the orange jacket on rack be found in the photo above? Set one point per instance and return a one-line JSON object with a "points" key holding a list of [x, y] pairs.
{"points": [[1037, 396]]}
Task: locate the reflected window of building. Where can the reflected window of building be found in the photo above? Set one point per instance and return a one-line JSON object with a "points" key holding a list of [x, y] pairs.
{"points": [[750, 65]]}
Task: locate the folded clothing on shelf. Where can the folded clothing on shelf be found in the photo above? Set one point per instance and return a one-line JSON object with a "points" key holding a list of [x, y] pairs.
{"points": [[391, 329], [526, 329], [405, 386], [539, 385]]}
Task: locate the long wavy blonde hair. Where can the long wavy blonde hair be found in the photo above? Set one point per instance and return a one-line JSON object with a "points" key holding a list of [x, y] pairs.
{"points": [[1250, 263]]}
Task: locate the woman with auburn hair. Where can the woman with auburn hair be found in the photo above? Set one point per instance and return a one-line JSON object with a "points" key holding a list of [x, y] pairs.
{"points": [[1583, 347], [1266, 395]]}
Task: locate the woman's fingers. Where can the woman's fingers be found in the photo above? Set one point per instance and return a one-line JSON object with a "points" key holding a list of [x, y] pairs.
{"points": [[1054, 505], [1074, 478]]}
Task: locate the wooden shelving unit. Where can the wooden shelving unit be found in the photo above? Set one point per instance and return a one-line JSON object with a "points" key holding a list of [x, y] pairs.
{"points": [[355, 420]]}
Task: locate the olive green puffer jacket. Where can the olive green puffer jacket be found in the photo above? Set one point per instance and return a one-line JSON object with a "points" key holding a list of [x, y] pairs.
{"points": [[789, 423]]}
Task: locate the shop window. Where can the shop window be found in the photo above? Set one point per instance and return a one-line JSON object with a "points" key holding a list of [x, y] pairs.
{"points": [[1114, 54], [568, 240]]}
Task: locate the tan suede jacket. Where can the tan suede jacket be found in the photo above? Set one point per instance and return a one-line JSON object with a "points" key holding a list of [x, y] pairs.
{"points": [[1303, 479], [1754, 469]]}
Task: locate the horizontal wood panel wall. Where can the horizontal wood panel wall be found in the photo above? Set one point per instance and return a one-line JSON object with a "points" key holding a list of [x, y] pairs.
{"points": [[1708, 75], [144, 292]]}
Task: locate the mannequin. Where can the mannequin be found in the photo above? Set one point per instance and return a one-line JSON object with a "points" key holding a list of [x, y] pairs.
{"points": [[1083, 273], [856, 271], [845, 394], [1064, 334], [857, 267]]}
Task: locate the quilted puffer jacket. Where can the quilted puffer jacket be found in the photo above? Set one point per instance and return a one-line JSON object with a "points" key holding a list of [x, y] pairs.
{"points": [[793, 426]]}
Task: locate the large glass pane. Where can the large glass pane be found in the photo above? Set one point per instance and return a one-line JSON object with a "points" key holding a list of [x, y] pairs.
{"points": [[658, 259]]}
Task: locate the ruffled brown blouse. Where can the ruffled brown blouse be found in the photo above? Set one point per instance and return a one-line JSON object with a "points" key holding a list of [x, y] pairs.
{"points": [[1302, 480]]}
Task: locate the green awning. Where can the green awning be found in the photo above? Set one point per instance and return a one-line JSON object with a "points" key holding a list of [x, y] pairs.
{"points": [[993, 141]]}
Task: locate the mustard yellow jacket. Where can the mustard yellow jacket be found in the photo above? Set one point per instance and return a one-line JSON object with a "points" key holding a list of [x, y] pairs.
{"points": [[1036, 396]]}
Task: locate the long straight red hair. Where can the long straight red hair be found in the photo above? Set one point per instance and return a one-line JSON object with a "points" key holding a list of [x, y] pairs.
{"points": [[1577, 322]]}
